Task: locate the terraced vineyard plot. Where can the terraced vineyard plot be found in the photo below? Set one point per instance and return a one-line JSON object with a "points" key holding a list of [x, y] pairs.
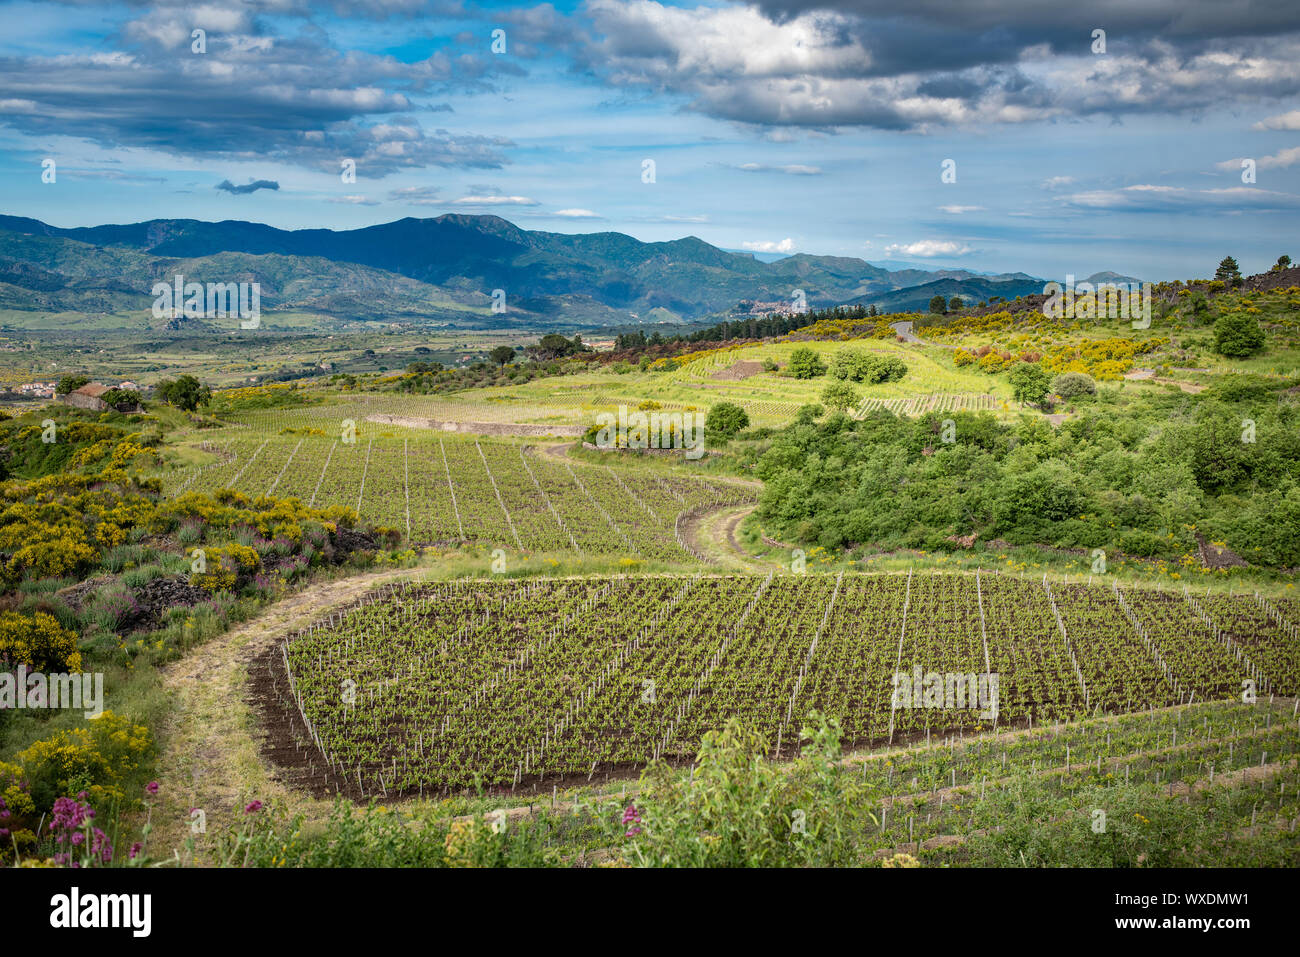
{"points": [[509, 683], [443, 489]]}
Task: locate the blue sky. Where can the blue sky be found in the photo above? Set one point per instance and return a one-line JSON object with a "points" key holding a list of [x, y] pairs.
{"points": [[782, 125]]}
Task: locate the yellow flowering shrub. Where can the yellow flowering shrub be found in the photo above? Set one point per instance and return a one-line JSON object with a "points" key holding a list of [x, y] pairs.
{"points": [[23, 819], [225, 566], [96, 759], [108, 534], [54, 559], [37, 641]]}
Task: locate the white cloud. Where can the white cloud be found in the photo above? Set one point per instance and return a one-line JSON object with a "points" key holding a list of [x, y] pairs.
{"points": [[1145, 198], [1283, 121], [784, 246], [1056, 182], [577, 214], [926, 248], [415, 195], [793, 169], [494, 201], [1279, 160], [354, 200], [958, 210]]}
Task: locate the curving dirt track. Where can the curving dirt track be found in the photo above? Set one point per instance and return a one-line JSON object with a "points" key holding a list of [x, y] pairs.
{"points": [[210, 742]]}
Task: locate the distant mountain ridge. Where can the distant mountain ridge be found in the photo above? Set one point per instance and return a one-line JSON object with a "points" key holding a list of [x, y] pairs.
{"points": [[446, 269]]}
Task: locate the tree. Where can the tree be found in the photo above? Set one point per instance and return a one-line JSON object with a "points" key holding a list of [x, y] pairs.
{"points": [[1228, 272], [1068, 385], [725, 419], [956, 303], [872, 311], [806, 364], [1237, 334], [850, 364], [938, 306], [186, 393], [70, 383], [121, 399], [1030, 382], [555, 346], [501, 355], [1283, 262], [839, 396]]}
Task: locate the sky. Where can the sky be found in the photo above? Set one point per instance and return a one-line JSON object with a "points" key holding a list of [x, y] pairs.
{"points": [[1008, 136]]}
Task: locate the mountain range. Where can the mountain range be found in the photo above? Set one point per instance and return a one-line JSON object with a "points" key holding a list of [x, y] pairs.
{"points": [[441, 270]]}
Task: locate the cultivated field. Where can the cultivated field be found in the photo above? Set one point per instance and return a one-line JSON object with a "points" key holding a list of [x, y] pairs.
{"points": [[437, 489], [441, 686]]}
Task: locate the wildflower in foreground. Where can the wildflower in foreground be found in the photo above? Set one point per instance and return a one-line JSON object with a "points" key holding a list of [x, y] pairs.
{"points": [[632, 817]]}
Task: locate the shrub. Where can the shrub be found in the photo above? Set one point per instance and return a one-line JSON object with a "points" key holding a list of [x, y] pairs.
{"points": [[96, 759], [856, 366], [1242, 388], [725, 419], [1070, 384], [806, 364], [1238, 334], [1029, 382], [37, 641], [850, 364], [839, 396], [888, 369], [52, 559]]}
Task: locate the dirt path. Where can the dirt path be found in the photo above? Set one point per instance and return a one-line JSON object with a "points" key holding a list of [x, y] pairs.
{"points": [[211, 757], [714, 535]]}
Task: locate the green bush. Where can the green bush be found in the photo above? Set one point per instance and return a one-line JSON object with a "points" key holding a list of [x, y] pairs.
{"points": [[1238, 334], [724, 420], [806, 364], [839, 396], [1069, 385]]}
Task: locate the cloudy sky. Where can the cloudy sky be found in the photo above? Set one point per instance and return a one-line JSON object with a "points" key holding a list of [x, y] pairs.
{"points": [[998, 136]]}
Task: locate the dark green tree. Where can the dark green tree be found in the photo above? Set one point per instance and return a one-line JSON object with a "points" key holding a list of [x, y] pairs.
{"points": [[724, 420], [806, 364], [1237, 334], [938, 305], [185, 393], [70, 383], [1228, 272], [839, 396], [1030, 382]]}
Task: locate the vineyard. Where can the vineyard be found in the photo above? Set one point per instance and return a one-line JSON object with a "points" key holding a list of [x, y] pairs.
{"points": [[441, 686], [453, 489]]}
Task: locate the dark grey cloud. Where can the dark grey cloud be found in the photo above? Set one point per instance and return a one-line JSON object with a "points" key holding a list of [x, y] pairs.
{"points": [[252, 186], [928, 64], [255, 94]]}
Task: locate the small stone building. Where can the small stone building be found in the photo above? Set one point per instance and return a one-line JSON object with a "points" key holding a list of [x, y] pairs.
{"points": [[88, 397]]}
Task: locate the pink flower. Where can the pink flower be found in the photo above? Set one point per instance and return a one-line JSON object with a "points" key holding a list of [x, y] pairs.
{"points": [[152, 787], [253, 807]]}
